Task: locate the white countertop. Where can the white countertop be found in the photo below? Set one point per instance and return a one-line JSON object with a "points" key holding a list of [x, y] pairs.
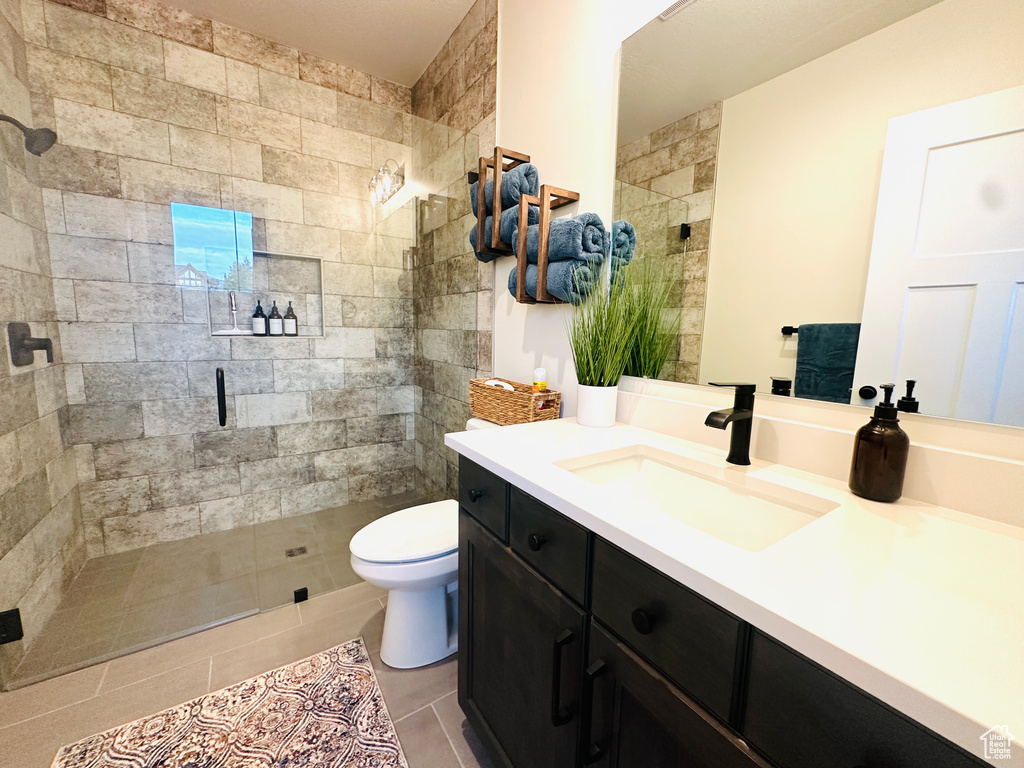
{"points": [[920, 606]]}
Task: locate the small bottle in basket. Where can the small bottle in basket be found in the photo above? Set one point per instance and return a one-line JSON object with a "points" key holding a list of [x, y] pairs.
{"points": [[540, 380]]}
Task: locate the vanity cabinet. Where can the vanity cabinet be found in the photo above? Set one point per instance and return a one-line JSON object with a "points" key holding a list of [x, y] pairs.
{"points": [[574, 653]]}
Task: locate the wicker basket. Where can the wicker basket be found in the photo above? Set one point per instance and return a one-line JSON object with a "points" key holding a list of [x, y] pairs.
{"points": [[521, 406]]}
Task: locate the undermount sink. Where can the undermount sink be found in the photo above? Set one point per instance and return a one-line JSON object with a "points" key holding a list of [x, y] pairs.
{"points": [[748, 512]]}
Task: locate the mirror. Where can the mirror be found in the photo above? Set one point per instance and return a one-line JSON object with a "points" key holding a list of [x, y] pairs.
{"points": [[769, 121]]}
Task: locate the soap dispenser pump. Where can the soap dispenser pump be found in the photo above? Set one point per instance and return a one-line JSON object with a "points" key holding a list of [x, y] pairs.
{"points": [[880, 454]]}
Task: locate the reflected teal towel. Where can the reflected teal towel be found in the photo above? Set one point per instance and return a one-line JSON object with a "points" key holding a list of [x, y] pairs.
{"points": [[569, 281], [509, 227], [582, 238], [623, 245], [826, 354], [521, 180]]}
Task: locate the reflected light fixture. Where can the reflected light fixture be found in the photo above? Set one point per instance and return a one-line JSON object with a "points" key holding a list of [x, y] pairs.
{"points": [[386, 182]]}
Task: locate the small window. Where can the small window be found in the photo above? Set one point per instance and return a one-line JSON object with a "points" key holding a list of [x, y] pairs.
{"points": [[212, 247]]}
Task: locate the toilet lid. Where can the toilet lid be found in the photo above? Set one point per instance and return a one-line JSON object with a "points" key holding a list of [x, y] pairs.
{"points": [[416, 533]]}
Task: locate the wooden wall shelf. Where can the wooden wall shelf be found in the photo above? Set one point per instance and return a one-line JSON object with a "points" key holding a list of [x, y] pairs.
{"points": [[504, 160]]}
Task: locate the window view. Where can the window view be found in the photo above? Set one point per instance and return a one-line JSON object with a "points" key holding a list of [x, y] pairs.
{"points": [[212, 247]]}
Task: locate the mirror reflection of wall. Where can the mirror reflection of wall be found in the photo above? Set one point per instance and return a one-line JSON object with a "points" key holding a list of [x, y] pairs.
{"points": [[807, 89]]}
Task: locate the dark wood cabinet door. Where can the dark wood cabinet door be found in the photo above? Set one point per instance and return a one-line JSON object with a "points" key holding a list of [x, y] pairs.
{"points": [[483, 494], [632, 716], [550, 542], [803, 716], [521, 647]]}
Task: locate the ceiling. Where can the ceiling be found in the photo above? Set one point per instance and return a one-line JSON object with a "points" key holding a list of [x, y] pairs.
{"points": [[392, 39], [714, 49]]}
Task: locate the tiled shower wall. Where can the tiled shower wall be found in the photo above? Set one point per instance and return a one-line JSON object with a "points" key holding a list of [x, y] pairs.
{"points": [[154, 105], [677, 162], [41, 541], [454, 293]]}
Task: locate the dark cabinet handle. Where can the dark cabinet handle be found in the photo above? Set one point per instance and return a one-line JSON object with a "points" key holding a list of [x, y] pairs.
{"points": [[594, 750], [559, 715], [222, 401], [643, 622], [867, 392], [535, 541], [474, 495]]}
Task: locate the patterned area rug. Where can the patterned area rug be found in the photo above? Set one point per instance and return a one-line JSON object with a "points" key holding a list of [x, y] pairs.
{"points": [[326, 711]]}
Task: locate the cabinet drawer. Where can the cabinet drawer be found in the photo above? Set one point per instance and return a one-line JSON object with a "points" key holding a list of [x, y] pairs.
{"points": [[482, 495], [803, 716], [550, 542], [691, 640]]}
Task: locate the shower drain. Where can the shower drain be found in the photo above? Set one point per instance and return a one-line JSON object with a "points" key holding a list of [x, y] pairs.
{"points": [[295, 551]]}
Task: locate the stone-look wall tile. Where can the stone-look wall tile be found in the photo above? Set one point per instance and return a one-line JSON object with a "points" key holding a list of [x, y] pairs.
{"points": [[236, 44], [243, 81], [114, 498], [148, 263], [165, 184], [76, 170], [21, 508], [123, 302], [305, 375], [314, 496], [121, 534], [321, 242], [82, 257], [366, 117], [93, 216], [179, 488], [330, 405], [74, 381], [111, 132], [84, 463], [283, 472], [391, 94], [246, 159], [128, 382], [252, 122], [39, 443], [269, 349], [292, 169], [69, 77], [165, 342], [33, 22], [334, 143], [392, 400], [225, 514], [53, 203], [62, 476], [164, 101], [348, 279], [298, 98], [311, 437], [20, 250], [368, 430], [105, 423], [235, 446], [202, 151], [97, 342], [270, 410], [241, 377], [102, 40], [346, 343], [380, 484], [148, 456], [51, 393], [266, 201], [313, 69], [163, 20], [184, 417]]}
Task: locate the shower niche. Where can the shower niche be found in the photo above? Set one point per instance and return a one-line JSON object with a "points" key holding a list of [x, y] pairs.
{"points": [[223, 273]]}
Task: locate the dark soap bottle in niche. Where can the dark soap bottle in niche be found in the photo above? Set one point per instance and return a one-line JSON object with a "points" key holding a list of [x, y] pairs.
{"points": [[259, 321], [880, 454], [275, 322], [291, 322]]}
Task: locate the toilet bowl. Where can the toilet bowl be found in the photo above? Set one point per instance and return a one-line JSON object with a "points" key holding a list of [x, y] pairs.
{"points": [[414, 553]]}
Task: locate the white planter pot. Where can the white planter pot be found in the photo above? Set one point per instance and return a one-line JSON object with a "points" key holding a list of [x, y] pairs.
{"points": [[595, 406]]}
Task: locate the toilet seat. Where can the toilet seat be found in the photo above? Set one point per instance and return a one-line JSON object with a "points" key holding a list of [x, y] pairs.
{"points": [[423, 532]]}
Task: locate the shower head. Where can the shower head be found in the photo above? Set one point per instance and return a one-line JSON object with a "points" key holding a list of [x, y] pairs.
{"points": [[37, 140]]}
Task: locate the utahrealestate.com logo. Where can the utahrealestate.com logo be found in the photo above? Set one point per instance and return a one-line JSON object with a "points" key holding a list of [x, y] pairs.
{"points": [[997, 743]]}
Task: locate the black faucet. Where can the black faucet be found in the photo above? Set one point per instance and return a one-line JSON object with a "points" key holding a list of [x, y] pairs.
{"points": [[741, 416]]}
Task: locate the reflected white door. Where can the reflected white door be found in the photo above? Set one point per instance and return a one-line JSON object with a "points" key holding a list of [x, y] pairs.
{"points": [[945, 292]]}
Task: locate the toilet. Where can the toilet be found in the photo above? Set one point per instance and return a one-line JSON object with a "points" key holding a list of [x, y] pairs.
{"points": [[414, 553]]}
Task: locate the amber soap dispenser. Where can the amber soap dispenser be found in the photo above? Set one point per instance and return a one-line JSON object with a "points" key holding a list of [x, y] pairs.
{"points": [[880, 454]]}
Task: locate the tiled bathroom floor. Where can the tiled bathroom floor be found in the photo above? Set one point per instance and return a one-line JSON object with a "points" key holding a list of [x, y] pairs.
{"points": [[125, 602], [37, 720]]}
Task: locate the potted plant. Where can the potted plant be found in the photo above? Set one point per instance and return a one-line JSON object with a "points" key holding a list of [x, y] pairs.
{"points": [[600, 334]]}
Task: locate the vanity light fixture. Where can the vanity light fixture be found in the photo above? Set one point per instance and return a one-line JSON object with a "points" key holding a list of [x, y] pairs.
{"points": [[386, 182]]}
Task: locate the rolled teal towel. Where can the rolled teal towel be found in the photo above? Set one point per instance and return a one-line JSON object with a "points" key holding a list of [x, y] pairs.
{"points": [[582, 238], [623, 245], [521, 180], [508, 229], [569, 280]]}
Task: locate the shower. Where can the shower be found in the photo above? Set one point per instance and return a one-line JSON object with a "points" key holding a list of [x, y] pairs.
{"points": [[37, 140]]}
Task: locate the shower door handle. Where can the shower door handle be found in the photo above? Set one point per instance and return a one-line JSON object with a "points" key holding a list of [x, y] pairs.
{"points": [[222, 401]]}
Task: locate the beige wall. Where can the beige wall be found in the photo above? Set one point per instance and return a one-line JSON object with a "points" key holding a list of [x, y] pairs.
{"points": [[453, 291], [799, 164], [41, 536]]}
